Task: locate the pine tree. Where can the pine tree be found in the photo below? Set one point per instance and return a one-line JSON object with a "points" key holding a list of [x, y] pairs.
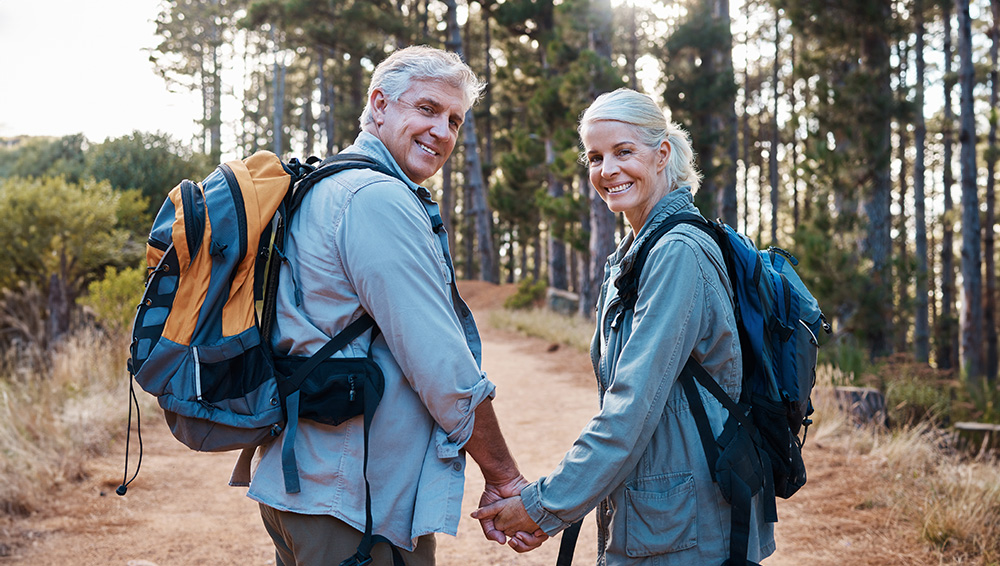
{"points": [[972, 283], [921, 329]]}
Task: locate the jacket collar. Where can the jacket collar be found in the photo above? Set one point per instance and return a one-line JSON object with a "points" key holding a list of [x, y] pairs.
{"points": [[679, 200]]}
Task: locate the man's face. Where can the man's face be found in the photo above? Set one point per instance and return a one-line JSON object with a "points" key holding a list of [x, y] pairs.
{"points": [[421, 128]]}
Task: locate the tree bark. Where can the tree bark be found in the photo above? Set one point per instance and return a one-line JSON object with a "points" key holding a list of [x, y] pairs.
{"points": [[947, 335], [972, 283], [473, 169], [773, 149], [989, 232], [557, 247], [727, 122], [901, 325], [921, 327], [878, 143], [278, 114]]}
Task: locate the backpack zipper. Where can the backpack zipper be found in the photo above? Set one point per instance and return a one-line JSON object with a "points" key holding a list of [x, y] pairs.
{"points": [[238, 204], [193, 201], [197, 375]]}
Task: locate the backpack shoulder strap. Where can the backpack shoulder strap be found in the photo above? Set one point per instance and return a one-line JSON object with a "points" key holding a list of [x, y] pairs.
{"points": [[332, 165], [628, 283]]}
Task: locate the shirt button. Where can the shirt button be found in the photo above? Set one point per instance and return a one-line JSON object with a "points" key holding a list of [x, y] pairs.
{"points": [[457, 466]]}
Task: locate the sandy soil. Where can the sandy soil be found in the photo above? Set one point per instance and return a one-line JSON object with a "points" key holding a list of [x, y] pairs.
{"points": [[180, 511]]}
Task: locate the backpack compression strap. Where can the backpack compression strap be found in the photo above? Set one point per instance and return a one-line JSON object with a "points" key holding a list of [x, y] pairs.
{"points": [[344, 337]]}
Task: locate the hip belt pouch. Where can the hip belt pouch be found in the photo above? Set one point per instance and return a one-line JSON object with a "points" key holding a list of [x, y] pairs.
{"points": [[334, 391]]}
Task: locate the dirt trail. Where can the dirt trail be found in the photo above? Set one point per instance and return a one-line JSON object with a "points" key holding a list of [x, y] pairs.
{"points": [[180, 512]]}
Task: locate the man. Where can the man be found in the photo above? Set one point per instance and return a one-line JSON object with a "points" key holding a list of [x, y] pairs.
{"points": [[365, 242]]}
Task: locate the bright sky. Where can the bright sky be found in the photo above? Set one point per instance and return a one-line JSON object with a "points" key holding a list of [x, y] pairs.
{"points": [[80, 66]]}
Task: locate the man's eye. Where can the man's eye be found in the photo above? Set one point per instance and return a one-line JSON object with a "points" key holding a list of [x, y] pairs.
{"points": [[427, 110]]}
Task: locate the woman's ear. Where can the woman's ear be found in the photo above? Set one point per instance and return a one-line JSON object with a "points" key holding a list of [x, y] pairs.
{"points": [[663, 156]]}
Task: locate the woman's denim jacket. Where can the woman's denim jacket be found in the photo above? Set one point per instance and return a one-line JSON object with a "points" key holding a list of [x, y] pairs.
{"points": [[639, 460]]}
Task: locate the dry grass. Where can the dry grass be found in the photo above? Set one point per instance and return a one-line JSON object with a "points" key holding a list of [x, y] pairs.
{"points": [[949, 497], [573, 331], [56, 414]]}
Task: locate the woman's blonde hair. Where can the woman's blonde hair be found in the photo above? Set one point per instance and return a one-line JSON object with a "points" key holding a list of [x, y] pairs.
{"points": [[640, 111], [397, 72]]}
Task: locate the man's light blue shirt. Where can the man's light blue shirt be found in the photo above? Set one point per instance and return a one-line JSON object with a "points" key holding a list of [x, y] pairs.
{"points": [[365, 242]]}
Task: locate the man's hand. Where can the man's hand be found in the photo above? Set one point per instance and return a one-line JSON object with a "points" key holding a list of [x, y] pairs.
{"points": [[509, 517], [493, 493]]}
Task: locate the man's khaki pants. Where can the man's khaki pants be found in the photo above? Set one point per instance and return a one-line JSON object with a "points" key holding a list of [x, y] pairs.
{"points": [[321, 540]]}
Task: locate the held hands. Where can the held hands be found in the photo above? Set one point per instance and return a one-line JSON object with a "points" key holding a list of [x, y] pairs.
{"points": [[509, 518]]}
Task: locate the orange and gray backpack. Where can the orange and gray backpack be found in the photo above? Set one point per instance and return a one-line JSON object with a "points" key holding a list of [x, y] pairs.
{"points": [[199, 343]]}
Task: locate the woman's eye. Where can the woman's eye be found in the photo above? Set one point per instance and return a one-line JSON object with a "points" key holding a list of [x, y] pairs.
{"points": [[594, 159]]}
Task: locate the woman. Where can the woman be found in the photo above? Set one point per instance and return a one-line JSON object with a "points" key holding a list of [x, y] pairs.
{"points": [[640, 460]]}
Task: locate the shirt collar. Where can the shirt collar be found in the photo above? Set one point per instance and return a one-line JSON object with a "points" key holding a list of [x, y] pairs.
{"points": [[371, 146]]}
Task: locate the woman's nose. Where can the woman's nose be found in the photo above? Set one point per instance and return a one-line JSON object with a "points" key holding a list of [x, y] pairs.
{"points": [[609, 168]]}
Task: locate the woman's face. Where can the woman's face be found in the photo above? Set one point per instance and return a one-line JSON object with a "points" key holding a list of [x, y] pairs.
{"points": [[628, 174]]}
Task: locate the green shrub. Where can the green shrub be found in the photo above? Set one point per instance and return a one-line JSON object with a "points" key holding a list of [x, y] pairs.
{"points": [[113, 299], [530, 293], [844, 353], [914, 391]]}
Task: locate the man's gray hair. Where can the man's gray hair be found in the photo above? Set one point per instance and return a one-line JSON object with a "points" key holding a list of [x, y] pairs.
{"points": [[396, 73], [639, 110]]}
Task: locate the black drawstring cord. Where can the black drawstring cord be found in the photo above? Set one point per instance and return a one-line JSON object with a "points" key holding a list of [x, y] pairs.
{"points": [[128, 433]]}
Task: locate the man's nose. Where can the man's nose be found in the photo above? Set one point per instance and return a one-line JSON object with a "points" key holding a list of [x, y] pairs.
{"points": [[441, 127]]}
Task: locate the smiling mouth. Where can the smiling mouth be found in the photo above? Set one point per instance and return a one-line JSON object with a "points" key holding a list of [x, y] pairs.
{"points": [[618, 188], [427, 149]]}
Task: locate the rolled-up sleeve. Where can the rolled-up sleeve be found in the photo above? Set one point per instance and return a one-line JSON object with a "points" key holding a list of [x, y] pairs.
{"points": [[393, 260]]}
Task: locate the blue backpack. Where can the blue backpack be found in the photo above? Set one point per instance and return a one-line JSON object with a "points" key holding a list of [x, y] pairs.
{"points": [[779, 322]]}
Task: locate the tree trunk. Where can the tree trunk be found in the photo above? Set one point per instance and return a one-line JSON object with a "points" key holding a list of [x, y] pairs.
{"points": [[947, 335], [972, 281], [773, 149], [474, 170], [728, 209], [215, 120], [487, 6], [901, 325], [989, 302], [448, 205], [921, 328], [278, 114], [557, 247], [878, 243], [327, 100], [796, 216]]}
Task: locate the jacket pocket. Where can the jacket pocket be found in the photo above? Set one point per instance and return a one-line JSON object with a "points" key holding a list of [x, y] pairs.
{"points": [[660, 514]]}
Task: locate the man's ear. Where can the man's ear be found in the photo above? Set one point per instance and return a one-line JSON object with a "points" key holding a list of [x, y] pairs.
{"points": [[378, 102]]}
